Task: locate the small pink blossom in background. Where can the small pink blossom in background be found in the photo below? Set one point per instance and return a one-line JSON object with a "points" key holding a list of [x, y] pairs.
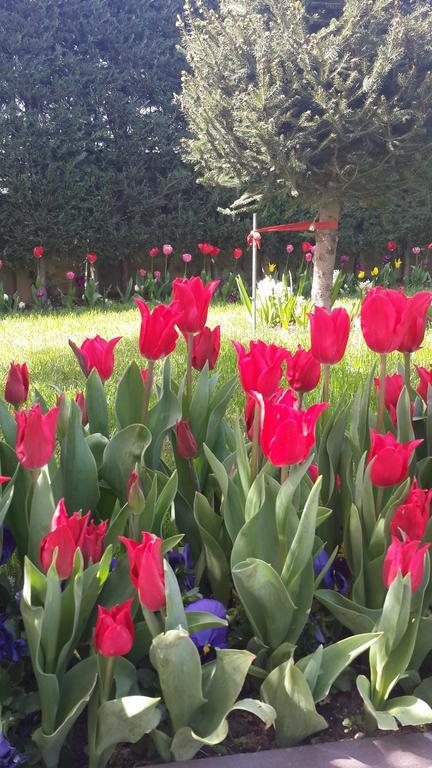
{"points": [[289, 248], [391, 245], [40, 292], [167, 249], [187, 257], [309, 256], [156, 275], [425, 261], [416, 250], [142, 272], [429, 247], [38, 252], [237, 253], [70, 275], [154, 252], [1, 264], [313, 247], [91, 258]]}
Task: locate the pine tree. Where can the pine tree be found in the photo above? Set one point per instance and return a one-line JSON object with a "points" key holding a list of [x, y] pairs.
{"points": [[341, 114]]}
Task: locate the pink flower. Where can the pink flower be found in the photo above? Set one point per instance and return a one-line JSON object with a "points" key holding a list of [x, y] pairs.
{"points": [[167, 249], [142, 272], [289, 248], [70, 275], [38, 252], [157, 275], [96, 353], [237, 253], [154, 252], [405, 558], [416, 250], [187, 257], [309, 256]]}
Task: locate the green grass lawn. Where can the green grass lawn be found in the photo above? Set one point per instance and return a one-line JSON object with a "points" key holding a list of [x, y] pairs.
{"points": [[42, 341]]}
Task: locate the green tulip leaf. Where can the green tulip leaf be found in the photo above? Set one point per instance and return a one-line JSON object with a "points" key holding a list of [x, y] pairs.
{"points": [[130, 397], [96, 404], [79, 470]]}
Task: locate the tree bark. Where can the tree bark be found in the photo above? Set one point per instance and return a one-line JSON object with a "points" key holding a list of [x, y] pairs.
{"points": [[325, 254]]}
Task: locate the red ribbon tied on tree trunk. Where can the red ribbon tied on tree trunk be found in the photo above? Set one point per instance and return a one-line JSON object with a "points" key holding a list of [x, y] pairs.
{"points": [[254, 238]]}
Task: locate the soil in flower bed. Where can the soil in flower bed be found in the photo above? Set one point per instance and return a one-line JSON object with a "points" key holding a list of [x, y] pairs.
{"points": [[246, 734]]}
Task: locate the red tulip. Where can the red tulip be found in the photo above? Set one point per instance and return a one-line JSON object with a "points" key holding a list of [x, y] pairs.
{"points": [[114, 633], [70, 275], [409, 522], [96, 353], [260, 369], [391, 458], [284, 396], [303, 370], [17, 384], [306, 246], [158, 335], [414, 321], [420, 497], [206, 348], [313, 472], [146, 570], [36, 435], [67, 535], [81, 403], [192, 299], [237, 253], [208, 249], [287, 434], [4, 479], [381, 318], [154, 252], [425, 381], [214, 250], [38, 252], [91, 258], [1, 263], [391, 245], [393, 387], [186, 444], [405, 558], [329, 334]]}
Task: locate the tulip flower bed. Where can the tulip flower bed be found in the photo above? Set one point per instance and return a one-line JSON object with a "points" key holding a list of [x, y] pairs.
{"points": [[169, 566]]}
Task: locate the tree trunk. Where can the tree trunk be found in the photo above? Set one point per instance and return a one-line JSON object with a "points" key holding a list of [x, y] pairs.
{"points": [[325, 254]]}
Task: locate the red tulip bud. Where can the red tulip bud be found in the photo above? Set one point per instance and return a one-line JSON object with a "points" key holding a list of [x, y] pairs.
{"points": [[146, 570], [186, 443], [17, 384], [114, 633], [38, 252], [81, 403], [135, 495]]}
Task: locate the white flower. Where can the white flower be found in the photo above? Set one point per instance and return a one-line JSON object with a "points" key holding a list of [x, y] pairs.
{"points": [[136, 287], [21, 305], [335, 275], [6, 297]]}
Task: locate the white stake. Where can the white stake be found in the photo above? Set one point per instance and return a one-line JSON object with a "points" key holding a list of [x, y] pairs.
{"points": [[254, 275]]}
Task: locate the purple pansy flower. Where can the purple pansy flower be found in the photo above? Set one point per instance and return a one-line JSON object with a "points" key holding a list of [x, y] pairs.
{"points": [[337, 577], [208, 639], [8, 545], [344, 259], [9, 757], [182, 561], [10, 648]]}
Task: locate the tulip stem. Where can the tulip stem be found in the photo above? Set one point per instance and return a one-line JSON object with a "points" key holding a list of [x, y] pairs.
{"points": [[381, 392], [379, 502], [190, 338], [300, 400], [326, 383], [407, 367], [147, 390], [255, 442], [108, 677], [154, 625], [284, 474]]}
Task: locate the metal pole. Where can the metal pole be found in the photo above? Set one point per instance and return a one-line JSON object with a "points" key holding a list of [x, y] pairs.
{"points": [[254, 275]]}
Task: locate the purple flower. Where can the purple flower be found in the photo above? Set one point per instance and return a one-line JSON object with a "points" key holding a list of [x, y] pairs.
{"points": [[8, 754], [208, 639], [386, 259], [80, 281], [10, 648], [8, 545], [344, 259], [232, 298], [182, 561], [337, 576], [40, 292]]}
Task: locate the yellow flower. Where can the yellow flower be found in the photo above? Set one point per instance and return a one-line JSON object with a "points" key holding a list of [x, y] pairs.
{"points": [[374, 271], [272, 268], [361, 275], [398, 263]]}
